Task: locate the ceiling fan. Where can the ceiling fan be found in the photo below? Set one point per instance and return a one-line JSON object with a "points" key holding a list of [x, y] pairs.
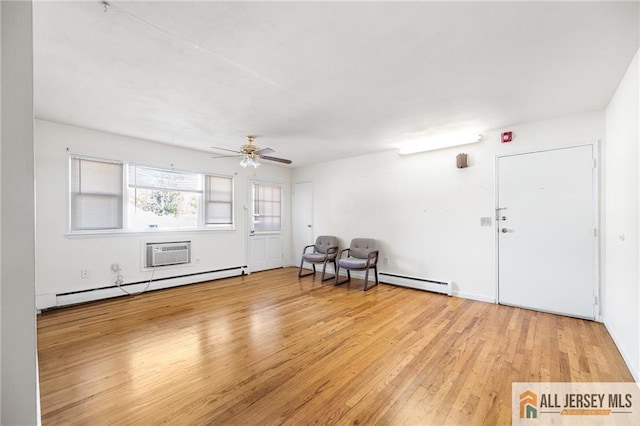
{"points": [[251, 153]]}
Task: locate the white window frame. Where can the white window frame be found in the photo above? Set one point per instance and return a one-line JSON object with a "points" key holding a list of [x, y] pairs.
{"points": [[201, 225], [70, 158]]}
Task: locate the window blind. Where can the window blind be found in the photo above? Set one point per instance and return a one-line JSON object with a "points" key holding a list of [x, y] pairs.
{"points": [[219, 200], [146, 177], [267, 205], [95, 194]]}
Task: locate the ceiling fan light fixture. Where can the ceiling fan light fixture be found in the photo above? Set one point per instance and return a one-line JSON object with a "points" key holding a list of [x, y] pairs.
{"points": [[441, 141], [251, 154], [249, 162]]}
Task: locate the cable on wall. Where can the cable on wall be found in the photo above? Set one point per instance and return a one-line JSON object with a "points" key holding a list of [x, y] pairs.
{"points": [[115, 268]]}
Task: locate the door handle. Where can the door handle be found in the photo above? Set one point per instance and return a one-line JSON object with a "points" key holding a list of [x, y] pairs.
{"points": [[504, 230], [308, 226]]}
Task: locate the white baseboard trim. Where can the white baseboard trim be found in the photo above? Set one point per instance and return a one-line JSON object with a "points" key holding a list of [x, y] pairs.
{"points": [[47, 301], [409, 282], [625, 357], [473, 296]]}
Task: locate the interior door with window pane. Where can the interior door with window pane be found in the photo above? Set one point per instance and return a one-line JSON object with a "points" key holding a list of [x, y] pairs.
{"points": [[265, 227]]}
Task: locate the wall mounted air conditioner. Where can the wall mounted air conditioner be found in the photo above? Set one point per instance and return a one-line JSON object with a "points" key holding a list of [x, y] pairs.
{"points": [[164, 254]]}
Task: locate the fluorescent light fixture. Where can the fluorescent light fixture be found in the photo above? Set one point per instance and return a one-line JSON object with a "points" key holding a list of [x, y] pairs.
{"points": [[441, 141]]}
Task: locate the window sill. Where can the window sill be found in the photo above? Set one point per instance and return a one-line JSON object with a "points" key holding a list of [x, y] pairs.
{"points": [[136, 233]]}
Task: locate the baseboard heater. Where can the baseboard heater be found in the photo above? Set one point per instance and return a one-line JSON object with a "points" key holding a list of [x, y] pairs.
{"points": [[49, 301], [444, 287]]}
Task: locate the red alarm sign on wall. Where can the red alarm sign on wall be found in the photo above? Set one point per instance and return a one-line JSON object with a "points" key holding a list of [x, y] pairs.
{"points": [[507, 137]]}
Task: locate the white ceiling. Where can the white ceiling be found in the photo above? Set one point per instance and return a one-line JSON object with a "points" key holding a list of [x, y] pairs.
{"points": [[323, 80]]}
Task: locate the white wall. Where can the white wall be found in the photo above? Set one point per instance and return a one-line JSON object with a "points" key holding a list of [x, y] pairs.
{"points": [[60, 257], [19, 403], [424, 212], [1, 400], [622, 223]]}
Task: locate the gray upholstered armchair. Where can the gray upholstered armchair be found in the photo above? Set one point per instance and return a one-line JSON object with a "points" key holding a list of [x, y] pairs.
{"points": [[324, 250], [362, 255]]}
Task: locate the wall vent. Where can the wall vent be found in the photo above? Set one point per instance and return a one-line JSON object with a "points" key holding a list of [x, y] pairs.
{"points": [[164, 254]]}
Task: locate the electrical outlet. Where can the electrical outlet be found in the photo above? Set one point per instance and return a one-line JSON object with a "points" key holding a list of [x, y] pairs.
{"points": [[84, 273], [385, 260]]}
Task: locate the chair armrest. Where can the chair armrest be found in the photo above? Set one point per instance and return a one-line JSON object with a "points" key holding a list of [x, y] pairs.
{"points": [[306, 247], [372, 258], [342, 252], [332, 250]]}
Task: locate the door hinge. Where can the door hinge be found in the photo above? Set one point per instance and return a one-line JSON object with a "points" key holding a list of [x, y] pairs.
{"points": [[595, 232], [595, 300]]}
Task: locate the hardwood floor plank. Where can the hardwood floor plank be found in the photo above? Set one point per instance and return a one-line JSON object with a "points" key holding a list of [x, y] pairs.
{"points": [[271, 348]]}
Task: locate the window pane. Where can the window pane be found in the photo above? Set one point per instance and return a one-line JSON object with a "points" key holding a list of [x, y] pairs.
{"points": [[267, 208], [218, 213], [153, 208], [162, 179], [163, 199], [219, 202], [219, 188], [95, 195], [93, 212]]}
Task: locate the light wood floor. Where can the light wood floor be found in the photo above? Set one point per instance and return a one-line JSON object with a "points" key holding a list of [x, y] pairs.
{"points": [[271, 348]]}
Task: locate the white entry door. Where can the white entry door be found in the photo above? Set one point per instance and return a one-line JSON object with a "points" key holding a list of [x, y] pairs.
{"points": [[265, 226], [546, 231], [302, 219]]}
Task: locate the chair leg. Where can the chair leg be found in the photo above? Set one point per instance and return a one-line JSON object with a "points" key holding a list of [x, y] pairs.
{"points": [[366, 279], [300, 274], [324, 268], [376, 271], [338, 275], [366, 276]]}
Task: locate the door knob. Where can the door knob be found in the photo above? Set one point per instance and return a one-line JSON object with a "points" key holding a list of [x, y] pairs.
{"points": [[503, 218], [308, 226], [504, 230]]}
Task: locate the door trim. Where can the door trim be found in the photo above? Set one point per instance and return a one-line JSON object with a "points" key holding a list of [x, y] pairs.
{"points": [[595, 182], [293, 255]]}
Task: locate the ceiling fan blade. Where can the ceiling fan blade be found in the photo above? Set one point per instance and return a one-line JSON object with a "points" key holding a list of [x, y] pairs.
{"points": [[264, 151], [279, 160], [225, 149], [228, 156]]}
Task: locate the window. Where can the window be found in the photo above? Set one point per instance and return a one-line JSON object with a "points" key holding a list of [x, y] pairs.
{"points": [[96, 194], [163, 199], [267, 207], [106, 195], [219, 200]]}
